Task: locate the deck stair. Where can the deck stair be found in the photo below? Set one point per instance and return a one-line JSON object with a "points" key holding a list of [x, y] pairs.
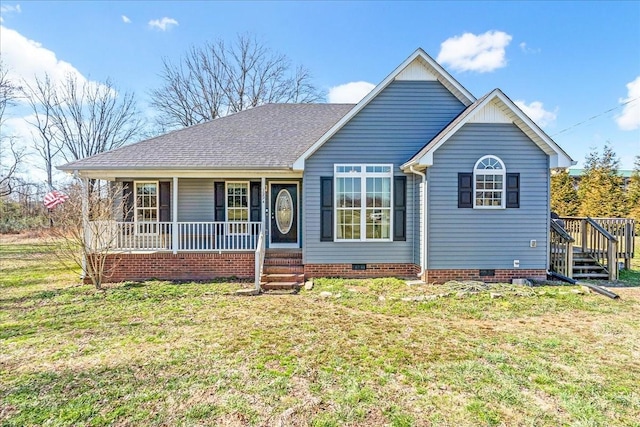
{"points": [[585, 266], [283, 270]]}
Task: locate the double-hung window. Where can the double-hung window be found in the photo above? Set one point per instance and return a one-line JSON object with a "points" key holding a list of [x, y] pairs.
{"points": [[489, 183], [363, 202], [238, 207], [146, 210]]}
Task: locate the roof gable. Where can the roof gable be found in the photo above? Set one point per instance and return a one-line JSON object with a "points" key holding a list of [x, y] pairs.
{"points": [[418, 66], [494, 107]]}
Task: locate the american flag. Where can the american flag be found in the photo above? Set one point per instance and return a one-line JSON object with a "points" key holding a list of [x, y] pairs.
{"points": [[54, 198]]}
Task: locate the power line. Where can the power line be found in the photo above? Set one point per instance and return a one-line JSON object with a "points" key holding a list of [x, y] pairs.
{"points": [[596, 116]]}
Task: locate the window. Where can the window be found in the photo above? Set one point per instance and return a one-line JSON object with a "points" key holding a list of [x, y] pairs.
{"points": [[146, 210], [363, 202], [488, 183], [238, 206]]}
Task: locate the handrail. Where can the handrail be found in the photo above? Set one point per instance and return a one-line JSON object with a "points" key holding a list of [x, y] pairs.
{"points": [[561, 250], [562, 232], [259, 259], [598, 227], [603, 239]]}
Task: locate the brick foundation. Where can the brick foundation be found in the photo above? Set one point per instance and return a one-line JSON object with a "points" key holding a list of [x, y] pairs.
{"points": [[181, 266], [372, 270], [505, 276]]}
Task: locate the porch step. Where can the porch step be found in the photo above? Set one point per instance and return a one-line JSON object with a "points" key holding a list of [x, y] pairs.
{"points": [[590, 276], [273, 286], [586, 267], [282, 277], [282, 270]]}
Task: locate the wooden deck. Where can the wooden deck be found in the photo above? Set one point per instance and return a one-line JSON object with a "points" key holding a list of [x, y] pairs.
{"points": [[591, 248]]}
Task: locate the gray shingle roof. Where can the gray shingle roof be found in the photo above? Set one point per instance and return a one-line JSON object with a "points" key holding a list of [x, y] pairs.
{"points": [[269, 136]]}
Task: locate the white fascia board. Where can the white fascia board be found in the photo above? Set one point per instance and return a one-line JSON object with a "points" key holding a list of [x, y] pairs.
{"points": [[298, 165], [112, 174]]}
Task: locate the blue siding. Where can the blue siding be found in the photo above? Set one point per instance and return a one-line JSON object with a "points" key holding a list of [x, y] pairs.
{"points": [[488, 239], [195, 199], [390, 129]]}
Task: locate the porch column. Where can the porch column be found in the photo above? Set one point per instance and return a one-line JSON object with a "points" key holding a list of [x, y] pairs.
{"points": [[263, 186], [86, 235], [174, 215]]}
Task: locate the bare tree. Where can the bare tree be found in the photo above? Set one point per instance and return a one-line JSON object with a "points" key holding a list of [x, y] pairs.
{"points": [[10, 158], [41, 98], [218, 79], [10, 154], [88, 244], [81, 119]]}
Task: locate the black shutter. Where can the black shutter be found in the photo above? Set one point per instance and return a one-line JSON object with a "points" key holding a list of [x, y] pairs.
{"points": [[400, 208], [513, 190], [326, 209], [165, 202], [256, 201], [219, 201], [465, 190], [127, 201]]}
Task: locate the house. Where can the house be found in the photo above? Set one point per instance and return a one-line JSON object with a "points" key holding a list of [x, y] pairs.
{"points": [[419, 178]]}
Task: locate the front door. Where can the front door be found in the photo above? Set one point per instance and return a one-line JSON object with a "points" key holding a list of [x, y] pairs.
{"points": [[284, 215]]}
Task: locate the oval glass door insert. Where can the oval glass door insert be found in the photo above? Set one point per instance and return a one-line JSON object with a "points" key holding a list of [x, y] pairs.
{"points": [[284, 211]]}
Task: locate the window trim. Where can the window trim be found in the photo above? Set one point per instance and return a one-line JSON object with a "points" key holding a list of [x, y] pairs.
{"points": [[236, 229], [501, 172], [135, 207], [363, 175]]}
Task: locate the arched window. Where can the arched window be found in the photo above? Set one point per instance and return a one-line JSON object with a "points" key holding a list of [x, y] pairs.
{"points": [[488, 183]]}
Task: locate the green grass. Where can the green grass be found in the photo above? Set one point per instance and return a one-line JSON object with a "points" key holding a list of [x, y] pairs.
{"points": [[158, 353], [632, 277]]}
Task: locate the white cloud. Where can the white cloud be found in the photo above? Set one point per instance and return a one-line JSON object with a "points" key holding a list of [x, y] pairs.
{"points": [[349, 93], [126, 19], [526, 49], [6, 9], [26, 59], [469, 52], [163, 24], [630, 117], [537, 113]]}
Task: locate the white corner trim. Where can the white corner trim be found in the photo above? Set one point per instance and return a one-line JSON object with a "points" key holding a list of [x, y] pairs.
{"points": [[419, 55]]}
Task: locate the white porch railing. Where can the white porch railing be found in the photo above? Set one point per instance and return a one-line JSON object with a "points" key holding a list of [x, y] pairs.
{"points": [[191, 236]]}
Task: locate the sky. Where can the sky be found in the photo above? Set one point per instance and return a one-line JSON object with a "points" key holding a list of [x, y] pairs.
{"points": [[574, 67]]}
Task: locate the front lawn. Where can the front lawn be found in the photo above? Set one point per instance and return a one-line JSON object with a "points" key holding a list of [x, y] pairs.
{"points": [[158, 353]]}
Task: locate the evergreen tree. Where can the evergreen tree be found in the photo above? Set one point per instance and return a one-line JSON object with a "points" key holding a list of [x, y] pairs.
{"points": [[600, 189], [633, 194], [564, 197]]}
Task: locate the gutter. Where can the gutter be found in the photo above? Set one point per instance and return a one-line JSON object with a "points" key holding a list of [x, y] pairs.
{"points": [[423, 221]]}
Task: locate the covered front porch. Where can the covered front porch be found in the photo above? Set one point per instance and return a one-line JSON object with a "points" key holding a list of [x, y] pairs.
{"points": [[192, 227], [220, 211]]}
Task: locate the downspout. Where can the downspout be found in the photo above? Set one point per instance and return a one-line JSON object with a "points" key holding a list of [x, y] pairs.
{"points": [[423, 221]]}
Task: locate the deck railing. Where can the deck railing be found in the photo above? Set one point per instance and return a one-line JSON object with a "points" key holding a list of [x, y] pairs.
{"points": [[561, 247], [191, 236], [623, 229], [607, 240]]}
